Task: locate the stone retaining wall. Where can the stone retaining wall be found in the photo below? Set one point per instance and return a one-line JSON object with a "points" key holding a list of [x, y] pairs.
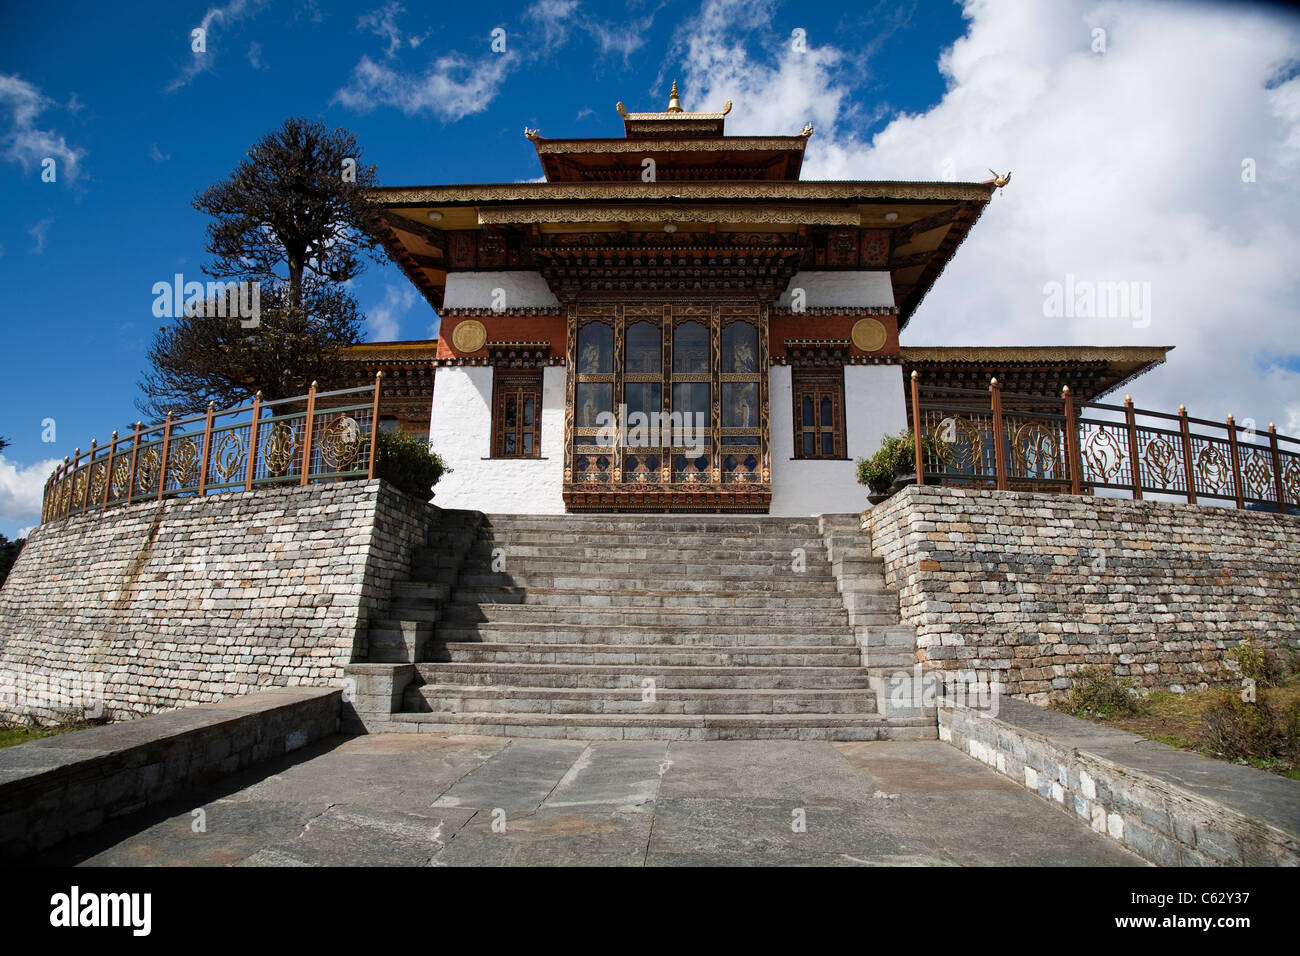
{"points": [[158, 605], [1170, 807], [1031, 587], [66, 785]]}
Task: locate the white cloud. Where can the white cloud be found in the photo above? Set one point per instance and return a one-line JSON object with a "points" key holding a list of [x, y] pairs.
{"points": [[157, 155], [453, 87], [1127, 167], [26, 144], [21, 489], [201, 61], [384, 320], [383, 23], [255, 56], [39, 232]]}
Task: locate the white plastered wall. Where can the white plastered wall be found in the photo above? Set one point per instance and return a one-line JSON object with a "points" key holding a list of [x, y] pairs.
{"points": [[460, 430], [873, 406], [826, 289], [479, 290]]}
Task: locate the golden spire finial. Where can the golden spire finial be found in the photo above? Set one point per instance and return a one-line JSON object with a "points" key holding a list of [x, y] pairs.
{"points": [[674, 104]]}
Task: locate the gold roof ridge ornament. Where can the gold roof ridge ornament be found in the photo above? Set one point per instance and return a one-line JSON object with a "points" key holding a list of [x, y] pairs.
{"points": [[673, 110], [532, 134], [674, 100]]}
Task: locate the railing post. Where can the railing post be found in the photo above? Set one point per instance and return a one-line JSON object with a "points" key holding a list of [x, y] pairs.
{"points": [[999, 447], [90, 471], [374, 425], [253, 429], [1188, 469], [108, 471], [67, 500], [135, 449], [1134, 463], [207, 447], [166, 448], [1236, 463], [1072, 463], [1278, 488], [916, 426], [306, 440]]}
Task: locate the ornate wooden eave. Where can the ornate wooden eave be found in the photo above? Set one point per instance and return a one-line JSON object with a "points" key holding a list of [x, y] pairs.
{"points": [[1091, 371]]}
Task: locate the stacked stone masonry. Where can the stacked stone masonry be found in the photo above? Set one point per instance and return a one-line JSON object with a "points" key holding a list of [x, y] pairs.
{"points": [[166, 604], [1027, 588]]}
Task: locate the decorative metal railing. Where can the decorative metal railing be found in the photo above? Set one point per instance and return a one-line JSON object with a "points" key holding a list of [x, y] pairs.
{"points": [[1006, 441], [320, 436]]}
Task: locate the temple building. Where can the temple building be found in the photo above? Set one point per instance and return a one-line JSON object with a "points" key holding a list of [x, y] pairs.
{"points": [[675, 321]]}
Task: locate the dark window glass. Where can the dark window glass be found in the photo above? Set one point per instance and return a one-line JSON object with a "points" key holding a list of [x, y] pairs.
{"points": [[691, 348], [644, 348]]}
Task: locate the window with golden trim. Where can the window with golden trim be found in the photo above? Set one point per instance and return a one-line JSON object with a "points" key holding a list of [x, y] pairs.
{"points": [[818, 413], [517, 413]]}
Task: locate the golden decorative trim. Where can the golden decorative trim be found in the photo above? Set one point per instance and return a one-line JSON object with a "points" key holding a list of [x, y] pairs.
{"points": [[1103, 454], [716, 144], [846, 191], [341, 443], [869, 335], [794, 215], [469, 336], [228, 456]]}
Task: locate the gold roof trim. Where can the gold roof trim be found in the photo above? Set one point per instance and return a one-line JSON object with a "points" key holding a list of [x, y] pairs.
{"points": [[716, 144], [686, 191], [1037, 353], [795, 215]]}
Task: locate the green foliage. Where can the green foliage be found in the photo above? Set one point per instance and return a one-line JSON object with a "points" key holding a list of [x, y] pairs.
{"points": [[1256, 662], [1098, 692], [9, 551], [407, 463], [895, 457], [294, 218]]}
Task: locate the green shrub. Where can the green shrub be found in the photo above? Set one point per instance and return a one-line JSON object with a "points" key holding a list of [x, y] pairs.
{"points": [[408, 463], [895, 457], [1265, 666], [1097, 692]]}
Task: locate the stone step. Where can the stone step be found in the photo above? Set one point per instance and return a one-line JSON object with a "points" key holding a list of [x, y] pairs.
{"points": [[722, 634], [750, 655], [680, 618], [548, 578], [597, 596], [568, 700], [734, 571], [653, 524], [864, 726], [543, 633], [646, 548], [727, 677]]}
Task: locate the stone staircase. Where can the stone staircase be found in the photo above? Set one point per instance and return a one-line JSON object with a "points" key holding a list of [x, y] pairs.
{"points": [[678, 627]]}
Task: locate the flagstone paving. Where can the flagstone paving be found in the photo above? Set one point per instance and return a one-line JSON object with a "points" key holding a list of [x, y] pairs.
{"points": [[415, 800]]}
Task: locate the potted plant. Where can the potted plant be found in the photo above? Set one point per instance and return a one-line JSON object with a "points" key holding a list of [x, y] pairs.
{"points": [[893, 466]]}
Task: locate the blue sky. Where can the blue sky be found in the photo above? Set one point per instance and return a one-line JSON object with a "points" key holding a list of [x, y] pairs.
{"points": [[1126, 162], [143, 129]]}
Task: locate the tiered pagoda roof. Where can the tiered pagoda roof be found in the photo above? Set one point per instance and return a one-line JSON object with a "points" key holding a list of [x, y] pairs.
{"points": [[718, 211]]}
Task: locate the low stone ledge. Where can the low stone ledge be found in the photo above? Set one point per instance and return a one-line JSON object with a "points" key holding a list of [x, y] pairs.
{"points": [[59, 787], [1171, 807], [374, 695]]}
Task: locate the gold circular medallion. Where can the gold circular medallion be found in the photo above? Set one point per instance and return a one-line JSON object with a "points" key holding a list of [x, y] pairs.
{"points": [[469, 335], [869, 335]]}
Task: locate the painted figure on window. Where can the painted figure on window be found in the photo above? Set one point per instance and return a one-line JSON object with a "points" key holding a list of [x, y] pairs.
{"points": [[589, 412], [590, 361], [742, 409], [743, 358]]}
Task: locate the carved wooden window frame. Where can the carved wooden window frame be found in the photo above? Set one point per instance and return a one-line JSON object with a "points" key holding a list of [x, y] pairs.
{"points": [[817, 384], [522, 385]]}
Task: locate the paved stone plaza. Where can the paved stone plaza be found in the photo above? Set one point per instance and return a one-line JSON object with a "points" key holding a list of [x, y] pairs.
{"points": [[414, 800]]}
